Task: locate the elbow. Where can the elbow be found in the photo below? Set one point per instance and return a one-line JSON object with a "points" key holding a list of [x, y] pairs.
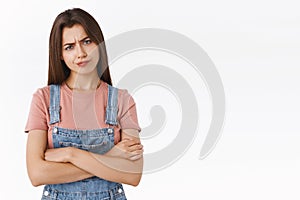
{"points": [[135, 183], [136, 177], [35, 183], [135, 180], [35, 178]]}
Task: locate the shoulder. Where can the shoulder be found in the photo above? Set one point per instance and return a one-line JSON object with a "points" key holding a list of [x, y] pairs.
{"points": [[42, 92], [125, 99], [41, 95], [123, 94]]}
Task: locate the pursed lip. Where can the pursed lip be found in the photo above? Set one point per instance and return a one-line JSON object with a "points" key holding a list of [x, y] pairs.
{"points": [[82, 63]]}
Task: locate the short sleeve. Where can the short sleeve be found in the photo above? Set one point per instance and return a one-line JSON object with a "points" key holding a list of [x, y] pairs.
{"points": [[127, 111], [37, 118]]}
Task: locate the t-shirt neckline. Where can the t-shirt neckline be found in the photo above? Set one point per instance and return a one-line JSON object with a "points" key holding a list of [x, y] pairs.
{"points": [[83, 94]]}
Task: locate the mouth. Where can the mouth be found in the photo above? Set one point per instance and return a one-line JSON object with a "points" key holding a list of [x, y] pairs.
{"points": [[83, 63]]}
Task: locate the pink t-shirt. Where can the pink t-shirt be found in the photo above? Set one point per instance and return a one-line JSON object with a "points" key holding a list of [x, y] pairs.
{"points": [[81, 111]]}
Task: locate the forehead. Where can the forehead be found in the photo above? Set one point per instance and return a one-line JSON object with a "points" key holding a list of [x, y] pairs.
{"points": [[71, 34]]}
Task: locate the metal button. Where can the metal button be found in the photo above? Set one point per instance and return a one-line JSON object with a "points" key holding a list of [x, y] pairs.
{"points": [[109, 130], [46, 193], [55, 130], [120, 190]]}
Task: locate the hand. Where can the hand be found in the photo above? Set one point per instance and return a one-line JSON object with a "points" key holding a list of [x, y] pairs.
{"points": [[130, 149], [58, 154]]}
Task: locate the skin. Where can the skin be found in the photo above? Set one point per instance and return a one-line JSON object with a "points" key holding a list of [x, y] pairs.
{"points": [[81, 55], [123, 163]]}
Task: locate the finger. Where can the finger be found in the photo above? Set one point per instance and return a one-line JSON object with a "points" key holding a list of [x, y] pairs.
{"points": [[138, 152], [135, 147], [130, 142], [135, 153], [133, 158], [46, 157]]}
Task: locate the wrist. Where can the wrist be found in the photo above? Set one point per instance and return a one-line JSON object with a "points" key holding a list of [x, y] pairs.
{"points": [[70, 152], [113, 152]]}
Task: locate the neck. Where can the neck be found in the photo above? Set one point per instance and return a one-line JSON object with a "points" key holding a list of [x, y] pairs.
{"points": [[83, 82]]}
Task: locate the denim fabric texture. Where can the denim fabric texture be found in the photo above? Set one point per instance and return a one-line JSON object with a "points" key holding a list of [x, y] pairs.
{"points": [[97, 141], [112, 106]]}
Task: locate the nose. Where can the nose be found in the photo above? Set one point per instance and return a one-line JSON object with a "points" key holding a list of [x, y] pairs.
{"points": [[81, 53]]}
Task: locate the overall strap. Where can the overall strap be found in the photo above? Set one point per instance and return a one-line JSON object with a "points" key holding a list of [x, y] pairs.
{"points": [[112, 106], [54, 108]]}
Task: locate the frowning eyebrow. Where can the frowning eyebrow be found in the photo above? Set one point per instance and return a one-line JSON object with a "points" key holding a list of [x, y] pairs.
{"points": [[66, 44]]}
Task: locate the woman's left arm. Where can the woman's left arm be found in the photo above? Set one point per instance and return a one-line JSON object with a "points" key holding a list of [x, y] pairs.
{"points": [[108, 166]]}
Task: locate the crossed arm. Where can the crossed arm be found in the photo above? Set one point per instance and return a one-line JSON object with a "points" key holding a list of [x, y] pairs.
{"points": [[123, 163]]}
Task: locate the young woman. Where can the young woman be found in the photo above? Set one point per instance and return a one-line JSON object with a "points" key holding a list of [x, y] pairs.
{"points": [[83, 139]]}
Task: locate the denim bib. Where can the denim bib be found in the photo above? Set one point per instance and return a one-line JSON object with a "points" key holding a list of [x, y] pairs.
{"points": [[97, 141]]}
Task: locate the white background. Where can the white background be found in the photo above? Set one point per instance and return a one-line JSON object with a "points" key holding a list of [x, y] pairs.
{"points": [[255, 46]]}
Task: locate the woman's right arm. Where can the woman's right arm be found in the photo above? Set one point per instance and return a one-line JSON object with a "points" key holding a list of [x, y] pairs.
{"points": [[43, 172]]}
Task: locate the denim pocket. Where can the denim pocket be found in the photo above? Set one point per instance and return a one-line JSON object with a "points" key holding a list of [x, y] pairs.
{"points": [[97, 141], [100, 148]]}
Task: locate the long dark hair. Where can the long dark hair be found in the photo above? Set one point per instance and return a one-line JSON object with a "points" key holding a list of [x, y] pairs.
{"points": [[58, 71]]}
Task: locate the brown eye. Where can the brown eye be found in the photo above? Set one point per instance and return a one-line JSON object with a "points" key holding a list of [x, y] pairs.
{"points": [[68, 48], [87, 41]]}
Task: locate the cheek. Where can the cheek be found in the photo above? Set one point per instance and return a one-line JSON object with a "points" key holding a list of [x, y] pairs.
{"points": [[96, 57], [67, 58], [95, 54], [92, 50]]}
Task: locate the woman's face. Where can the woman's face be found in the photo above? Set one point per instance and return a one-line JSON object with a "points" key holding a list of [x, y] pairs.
{"points": [[79, 52]]}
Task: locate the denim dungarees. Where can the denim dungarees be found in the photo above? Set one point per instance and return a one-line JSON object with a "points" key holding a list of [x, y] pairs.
{"points": [[97, 141]]}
